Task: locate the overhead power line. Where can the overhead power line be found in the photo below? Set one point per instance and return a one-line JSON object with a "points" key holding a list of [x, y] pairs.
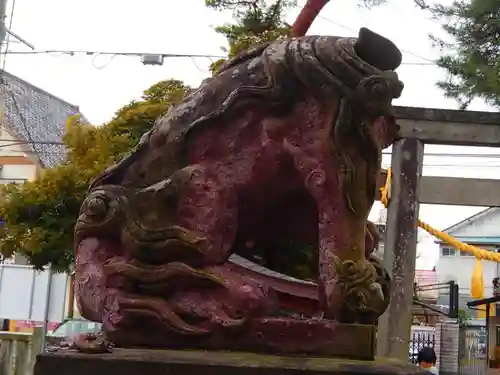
{"points": [[428, 61], [162, 55], [135, 54], [157, 58], [165, 55], [19, 143], [388, 153], [426, 164]]}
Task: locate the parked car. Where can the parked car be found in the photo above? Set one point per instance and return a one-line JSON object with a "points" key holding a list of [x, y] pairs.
{"points": [[70, 328]]}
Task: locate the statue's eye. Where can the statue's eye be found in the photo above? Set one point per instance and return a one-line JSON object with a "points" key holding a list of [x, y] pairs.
{"points": [[96, 207]]}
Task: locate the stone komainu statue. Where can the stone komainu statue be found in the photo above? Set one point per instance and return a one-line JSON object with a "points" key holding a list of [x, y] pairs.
{"points": [[284, 142]]}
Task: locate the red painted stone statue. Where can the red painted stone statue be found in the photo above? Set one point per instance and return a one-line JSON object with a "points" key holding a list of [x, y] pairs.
{"points": [[284, 142]]}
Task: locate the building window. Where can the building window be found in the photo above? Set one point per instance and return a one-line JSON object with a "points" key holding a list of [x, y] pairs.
{"points": [[448, 251], [464, 254]]}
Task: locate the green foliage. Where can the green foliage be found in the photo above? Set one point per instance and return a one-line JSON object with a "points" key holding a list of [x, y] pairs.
{"points": [[462, 318], [474, 61], [40, 215], [255, 22], [293, 259]]}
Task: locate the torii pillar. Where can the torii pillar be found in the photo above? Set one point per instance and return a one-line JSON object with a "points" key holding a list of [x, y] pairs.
{"points": [[400, 248]]}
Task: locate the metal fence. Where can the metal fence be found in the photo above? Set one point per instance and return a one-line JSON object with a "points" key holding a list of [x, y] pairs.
{"points": [[472, 351], [418, 341]]}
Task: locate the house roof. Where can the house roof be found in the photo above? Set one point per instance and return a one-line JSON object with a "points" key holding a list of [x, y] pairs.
{"points": [[469, 221], [32, 114], [428, 279], [425, 277]]}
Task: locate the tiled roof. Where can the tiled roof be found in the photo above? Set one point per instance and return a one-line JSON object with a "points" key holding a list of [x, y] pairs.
{"points": [[471, 219], [427, 278], [32, 114]]}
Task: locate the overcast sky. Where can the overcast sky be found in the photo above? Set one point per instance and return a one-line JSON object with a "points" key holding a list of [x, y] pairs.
{"points": [[101, 84]]}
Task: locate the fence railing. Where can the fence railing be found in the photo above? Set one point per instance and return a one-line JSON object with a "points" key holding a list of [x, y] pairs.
{"points": [[18, 352], [418, 341], [472, 352]]}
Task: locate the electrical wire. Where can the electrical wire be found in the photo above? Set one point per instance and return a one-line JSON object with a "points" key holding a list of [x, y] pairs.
{"points": [[22, 118], [96, 54], [385, 165], [135, 54], [399, 10], [17, 143], [103, 65], [430, 62], [167, 55], [387, 153]]}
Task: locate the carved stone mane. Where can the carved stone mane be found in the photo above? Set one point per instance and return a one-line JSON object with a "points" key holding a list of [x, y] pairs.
{"points": [[270, 75]]}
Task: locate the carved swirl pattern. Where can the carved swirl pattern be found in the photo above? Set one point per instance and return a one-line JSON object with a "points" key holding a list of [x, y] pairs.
{"points": [[158, 261], [359, 287], [316, 178], [377, 91]]}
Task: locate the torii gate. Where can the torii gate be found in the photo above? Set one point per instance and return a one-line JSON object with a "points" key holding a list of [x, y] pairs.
{"points": [[420, 126]]}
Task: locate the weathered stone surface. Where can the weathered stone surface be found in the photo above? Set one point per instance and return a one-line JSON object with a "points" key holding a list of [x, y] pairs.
{"points": [[271, 335], [447, 115], [400, 247], [155, 362], [283, 143]]}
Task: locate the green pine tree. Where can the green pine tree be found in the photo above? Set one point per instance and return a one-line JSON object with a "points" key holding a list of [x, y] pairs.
{"points": [[472, 56]]}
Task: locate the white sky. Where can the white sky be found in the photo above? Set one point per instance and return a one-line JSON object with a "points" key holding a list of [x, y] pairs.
{"points": [[100, 86]]}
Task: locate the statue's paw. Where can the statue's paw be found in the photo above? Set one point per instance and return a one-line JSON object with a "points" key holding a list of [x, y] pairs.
{"points": [[375, 298], [360, 288], [92, 343], [383, 280]]}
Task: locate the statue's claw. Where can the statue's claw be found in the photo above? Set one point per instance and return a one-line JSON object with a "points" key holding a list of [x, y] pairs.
{"points": [[92, 343]]}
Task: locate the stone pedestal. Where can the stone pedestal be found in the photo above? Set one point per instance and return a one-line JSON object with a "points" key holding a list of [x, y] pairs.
{"points": [[188, 362], [279, 336]]}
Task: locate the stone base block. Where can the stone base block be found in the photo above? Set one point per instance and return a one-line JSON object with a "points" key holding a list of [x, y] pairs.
{"points": [[187, 362], [281, 336]]}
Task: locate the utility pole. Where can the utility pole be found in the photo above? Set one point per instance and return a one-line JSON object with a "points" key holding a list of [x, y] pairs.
{"points": [[4, 30], [3, 17]]}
